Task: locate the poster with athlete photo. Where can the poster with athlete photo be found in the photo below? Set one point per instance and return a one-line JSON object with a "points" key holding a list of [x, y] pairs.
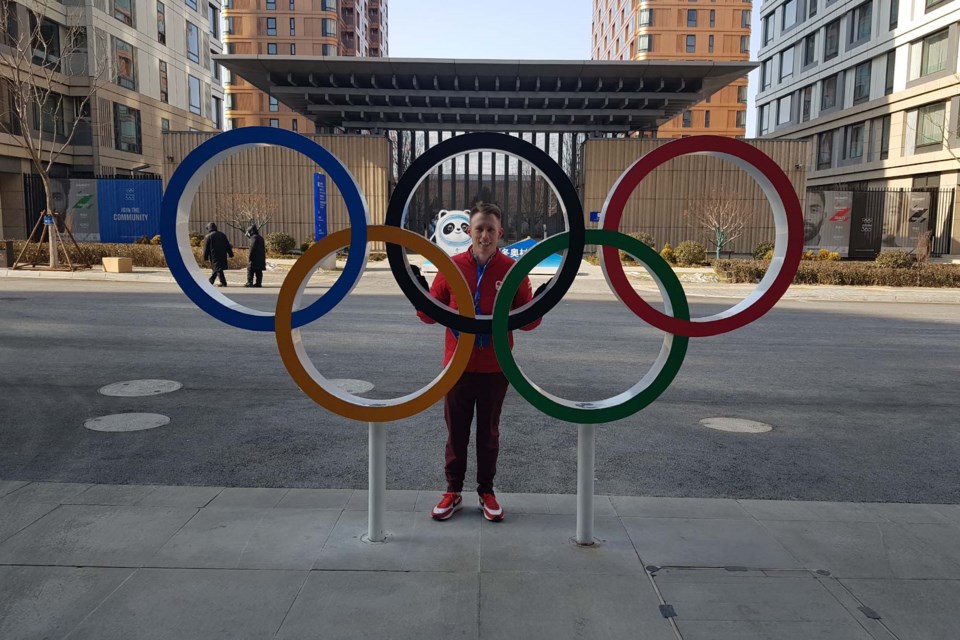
{"points": [[826, 223], [903, 224]]}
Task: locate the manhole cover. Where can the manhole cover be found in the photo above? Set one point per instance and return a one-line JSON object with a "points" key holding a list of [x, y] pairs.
{"points": [[736, 425], [127, 422], [352, 386], [139, 388]]}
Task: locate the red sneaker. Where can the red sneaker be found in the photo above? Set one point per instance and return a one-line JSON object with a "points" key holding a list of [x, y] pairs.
{"points": [[490, 507], [449, 504]]}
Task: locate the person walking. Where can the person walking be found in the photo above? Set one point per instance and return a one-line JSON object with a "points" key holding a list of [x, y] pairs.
{"points": [[216, 250], [483, 386], [258, 257]]}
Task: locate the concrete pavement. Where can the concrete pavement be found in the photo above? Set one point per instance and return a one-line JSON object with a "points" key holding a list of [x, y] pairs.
{"points": [[113, 561]]}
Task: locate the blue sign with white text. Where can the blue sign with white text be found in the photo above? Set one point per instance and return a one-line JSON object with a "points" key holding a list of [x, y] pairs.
{"points": [[319, 206], [128, 209]]}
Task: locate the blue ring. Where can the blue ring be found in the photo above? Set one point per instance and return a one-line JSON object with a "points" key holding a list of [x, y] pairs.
{"points": [[218, 145]]}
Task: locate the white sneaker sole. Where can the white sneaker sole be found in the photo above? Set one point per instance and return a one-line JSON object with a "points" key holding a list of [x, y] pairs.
{"points": [[448, 514]]}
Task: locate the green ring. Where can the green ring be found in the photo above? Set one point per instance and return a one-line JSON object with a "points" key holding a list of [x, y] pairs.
{"points": [[599, 411]]}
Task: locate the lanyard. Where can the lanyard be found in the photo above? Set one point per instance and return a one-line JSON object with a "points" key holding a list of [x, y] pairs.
{"points": [[482, 339]]}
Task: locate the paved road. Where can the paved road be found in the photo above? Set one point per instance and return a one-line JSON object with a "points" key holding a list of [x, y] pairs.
{"points": [[862, 396]]}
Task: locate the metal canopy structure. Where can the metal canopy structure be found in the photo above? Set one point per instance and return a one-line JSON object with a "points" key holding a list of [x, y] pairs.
{"points": [[485, 95]]}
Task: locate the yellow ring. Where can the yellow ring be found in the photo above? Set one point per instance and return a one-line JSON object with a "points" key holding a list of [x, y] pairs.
{"points": [[311, 381]]}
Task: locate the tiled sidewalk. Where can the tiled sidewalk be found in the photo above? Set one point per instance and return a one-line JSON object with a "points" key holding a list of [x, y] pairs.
{"points": [[101, 562]]}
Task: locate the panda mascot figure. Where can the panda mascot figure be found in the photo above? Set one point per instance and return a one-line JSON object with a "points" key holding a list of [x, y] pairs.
{"points": [[452, 233]]}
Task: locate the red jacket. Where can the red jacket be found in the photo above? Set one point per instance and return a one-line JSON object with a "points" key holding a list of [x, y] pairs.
{"points": [[483, 359]]}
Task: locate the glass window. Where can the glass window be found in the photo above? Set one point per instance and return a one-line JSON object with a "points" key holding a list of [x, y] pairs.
{"points": [[930, 124], [271, 5], [710, 43], [933, 4], [854, 142], [784, 107], [789, 14], [293, 26], [831, 41], [885, 138], [745, 18], [744, 44], [645, 18], [691, 17], [706, 119], [126, 65], [691, 44], [891, 68], [828, 95], [742, 94], [271, 48], [194, 86], [687, 119], [48, 118], [275, 123], [767, 28], [331, 50], [645, 43], [766, 73], [161, 23], [164, 124], [861, 82], [741, 119], [934, 56], [126, 124], [123, 11], [810, 49], [213, 14], [214, 65], [295, 125], [191, 3], [329, 27], [825, 150], [764, 119], [293, 49], [329, 5], [193, 42], [786, 64], [271, 26], [894, 14], [216, 109], [806, 99], [812, 6], [713, 18], [164, 95], [228, 28], [274, 104], [45, 39], [860, 20]]}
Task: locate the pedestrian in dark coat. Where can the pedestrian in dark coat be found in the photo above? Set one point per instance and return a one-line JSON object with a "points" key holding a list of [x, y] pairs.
{"points": [[258, 257], [216, 250]]}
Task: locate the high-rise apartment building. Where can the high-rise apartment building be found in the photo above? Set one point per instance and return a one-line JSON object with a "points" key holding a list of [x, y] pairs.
{"points": [[292, 28], [701, 30], [872, 84], [150, 64]]}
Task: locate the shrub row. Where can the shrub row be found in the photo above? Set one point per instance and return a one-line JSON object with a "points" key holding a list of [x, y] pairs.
{"points": [[143, 255], [846, 273]]}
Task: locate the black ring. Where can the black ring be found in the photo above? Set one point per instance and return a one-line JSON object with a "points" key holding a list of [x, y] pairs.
{"points": [[551, 171]]}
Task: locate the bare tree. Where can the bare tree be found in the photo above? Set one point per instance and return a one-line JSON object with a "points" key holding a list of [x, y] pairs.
{"points": [[242, 210], [722, 215], [37, 60]]}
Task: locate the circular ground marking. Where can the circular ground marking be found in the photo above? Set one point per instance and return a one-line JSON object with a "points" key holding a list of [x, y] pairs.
{"points": [[126, 422], [139, 388], [352, 386], [736, 425]]}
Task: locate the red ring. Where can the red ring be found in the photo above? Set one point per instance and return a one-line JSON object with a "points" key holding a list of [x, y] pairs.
{"points": [[631, 178]]}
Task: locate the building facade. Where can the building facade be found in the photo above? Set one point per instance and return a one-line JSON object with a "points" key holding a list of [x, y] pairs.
{"points": [[700, 30], [147, 66], [295, 28]]}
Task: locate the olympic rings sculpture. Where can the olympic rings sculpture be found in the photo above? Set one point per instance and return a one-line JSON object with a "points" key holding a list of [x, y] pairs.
{"points": [[674, 321]]}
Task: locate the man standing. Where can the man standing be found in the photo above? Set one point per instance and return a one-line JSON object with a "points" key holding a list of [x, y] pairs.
{"points": [[482, 387], [258, 257], [216, 250]]}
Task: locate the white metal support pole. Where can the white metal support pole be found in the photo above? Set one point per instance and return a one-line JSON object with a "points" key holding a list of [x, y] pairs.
{"points": [[585, 460], [377, 493]]}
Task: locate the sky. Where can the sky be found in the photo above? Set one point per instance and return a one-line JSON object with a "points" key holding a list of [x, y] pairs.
{"points": [[511, 30]]}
